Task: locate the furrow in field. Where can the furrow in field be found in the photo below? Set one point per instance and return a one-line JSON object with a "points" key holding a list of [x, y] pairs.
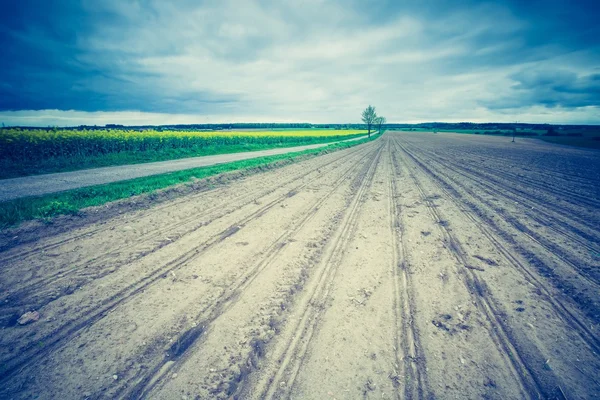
{"points": [[53, 338], [290, 352], [456, 348], [34, 294], [497, 327], [142, 386], [552, 342], [544, 164], [576, 216], [558, 251], [147, 309], [523, 163], [563, 223], [549, 242], [232, 352], [489, 226], [544, 185], [257, 187], [357, 348], [409, 350]]}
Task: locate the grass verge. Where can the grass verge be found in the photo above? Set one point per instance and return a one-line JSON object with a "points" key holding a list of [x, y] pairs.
{"points": [[71, 202]]}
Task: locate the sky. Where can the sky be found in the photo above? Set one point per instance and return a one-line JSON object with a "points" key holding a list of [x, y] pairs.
{"points": [[164, 62]]}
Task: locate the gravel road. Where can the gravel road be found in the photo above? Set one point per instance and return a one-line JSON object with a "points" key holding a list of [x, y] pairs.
{"points": [[38, 185], [414, 266]]}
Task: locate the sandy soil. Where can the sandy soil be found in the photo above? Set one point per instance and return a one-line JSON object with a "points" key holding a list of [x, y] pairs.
{"points": [[414, 266]]}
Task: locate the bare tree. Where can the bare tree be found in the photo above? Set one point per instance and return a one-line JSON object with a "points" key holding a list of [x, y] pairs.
{"points": [[380, 121], [368, 116]]}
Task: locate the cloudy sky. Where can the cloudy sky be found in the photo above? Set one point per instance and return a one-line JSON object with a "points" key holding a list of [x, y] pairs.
{"points": [[150, 62]]}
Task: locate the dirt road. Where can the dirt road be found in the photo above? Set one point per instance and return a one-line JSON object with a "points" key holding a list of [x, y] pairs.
{"points": [[414, 266]]}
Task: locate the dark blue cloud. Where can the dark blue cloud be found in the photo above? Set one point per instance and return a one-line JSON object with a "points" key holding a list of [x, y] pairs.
{"points": [[550, 88], [46, 64], [39, 45]]}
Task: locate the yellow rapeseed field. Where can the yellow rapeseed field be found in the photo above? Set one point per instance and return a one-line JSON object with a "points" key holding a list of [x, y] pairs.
{"points": [[40, 144], [283, 133]]}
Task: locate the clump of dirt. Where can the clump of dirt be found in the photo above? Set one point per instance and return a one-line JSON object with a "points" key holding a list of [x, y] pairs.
{"points": [[451, 325], [486, 260]]}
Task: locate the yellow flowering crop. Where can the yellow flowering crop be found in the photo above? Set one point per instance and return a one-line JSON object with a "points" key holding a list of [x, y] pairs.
{"points": [[19, 144]]}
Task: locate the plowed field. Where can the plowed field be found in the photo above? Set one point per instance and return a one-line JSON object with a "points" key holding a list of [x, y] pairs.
{"points": [[414, 266]]}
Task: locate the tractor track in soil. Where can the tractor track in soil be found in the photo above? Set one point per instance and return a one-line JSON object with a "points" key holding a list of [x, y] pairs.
{"points": [[55, 338], [496, 180], [412, 357], [500, 333], [295, 351], [92, 268], [142, 388], [574, 321], [566, 256]]}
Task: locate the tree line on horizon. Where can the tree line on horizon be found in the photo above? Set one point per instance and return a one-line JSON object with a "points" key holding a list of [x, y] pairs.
{"points": [[484, 126]]}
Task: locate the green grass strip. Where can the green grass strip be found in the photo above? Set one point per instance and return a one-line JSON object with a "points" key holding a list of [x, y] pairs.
{"points": [[70, 202]]}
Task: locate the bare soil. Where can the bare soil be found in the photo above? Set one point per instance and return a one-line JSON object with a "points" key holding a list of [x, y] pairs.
{"points": [[414, 266]]}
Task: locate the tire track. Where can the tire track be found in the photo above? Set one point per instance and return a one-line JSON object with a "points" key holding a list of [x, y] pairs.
{"points": [[523, 196], [499, 333], [174, 204], [34, 287], [142, 386], [567, 316], [407, 338], [291, 359], [539, 184], [544, 243], [56, 338], [577, 199], [564, 220], [567, 219], [169, 204]]}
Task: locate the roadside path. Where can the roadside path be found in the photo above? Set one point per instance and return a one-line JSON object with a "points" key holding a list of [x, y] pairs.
{"points": [[37, 185]]}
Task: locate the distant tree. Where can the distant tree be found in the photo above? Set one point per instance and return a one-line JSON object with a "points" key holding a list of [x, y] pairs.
{"points": [[368, 117], [551, 131], [380, 121]]}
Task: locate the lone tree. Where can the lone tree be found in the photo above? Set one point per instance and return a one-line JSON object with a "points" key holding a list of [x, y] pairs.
{"points": [[368, 117], [380, 121]]}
